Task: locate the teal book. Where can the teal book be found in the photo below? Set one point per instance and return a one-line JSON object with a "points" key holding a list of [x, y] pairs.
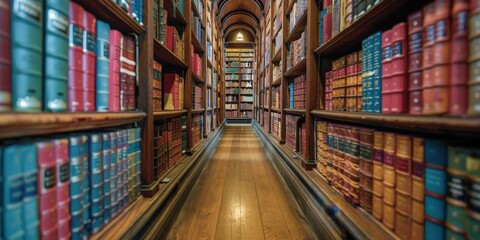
{"points": [[27, 55], [28, 153], [56, 55], [12, 193], [103, 66]]}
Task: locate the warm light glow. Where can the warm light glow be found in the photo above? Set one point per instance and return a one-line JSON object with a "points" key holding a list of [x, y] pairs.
{"points": [[239, 36]]}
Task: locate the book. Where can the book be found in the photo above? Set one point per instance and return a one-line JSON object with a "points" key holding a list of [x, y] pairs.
{"points": [[457, 182], [56, 55], [327, 21], [474, 60], [27, 55], [47, 189], [76, 101], [106, 160], [63, 184], [157, 86], [377, 210], [12, 193], [95, 175], [114, 70], [415, 52], [418, 185], [102, 78], [171, 91], [89, 57], [5, 57], [127, 74], [28, 155]]}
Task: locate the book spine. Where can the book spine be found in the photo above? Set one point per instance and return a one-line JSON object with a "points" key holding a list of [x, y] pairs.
{"points": [[138, 156], [86, 201], [56, 55], [75, 62], [327, 21], [12, 193], [457, 182], [47, 189], [389, 195], [377, 210], [387, 55], [474, 60], [30, 198], [106, 158], [27, 55], [403, 186], [63, 185], [76, 153], [96, 181], [89, 57], [418, 186], [415, 51], [102, 67], [5, 57], [113, 173], [127, 74]]}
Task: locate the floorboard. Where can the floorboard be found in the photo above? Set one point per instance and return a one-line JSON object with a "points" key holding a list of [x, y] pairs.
{"points": [[240, 196]]}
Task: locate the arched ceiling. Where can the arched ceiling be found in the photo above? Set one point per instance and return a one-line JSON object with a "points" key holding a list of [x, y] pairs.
{"points": [[244, 13]]}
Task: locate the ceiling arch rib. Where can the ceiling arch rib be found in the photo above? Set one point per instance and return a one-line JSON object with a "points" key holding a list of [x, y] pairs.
{"points": [[240, 5], [242, 26], [243, 12], [239, 19], [222, 3]]}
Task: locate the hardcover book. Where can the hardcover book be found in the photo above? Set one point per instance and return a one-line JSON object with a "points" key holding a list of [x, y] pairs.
{"points": [[27, 55], [89, 57], [5, 57], [102, 79], [114, 82], [56, 55], [28, 153], [76, 101], [47, 189], [77, 152], [63, 184]]}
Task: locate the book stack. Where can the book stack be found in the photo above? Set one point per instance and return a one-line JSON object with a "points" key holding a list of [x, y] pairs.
{"points": [[276, 124], [157, 86], [174, 139], [5, 57], [266, 123], [372, 73], [197, 96], [127, 74], [72, 200], [394, 70], [291, 131], [365, 151], [328, 91], [415, 53], [321, 137], [474, 59], [184, 135], [197, 128], [160, 148], [196, 63], [276, 97], [299, 92], [299, 8], [297, 50], [338, 76], [173, 91]]}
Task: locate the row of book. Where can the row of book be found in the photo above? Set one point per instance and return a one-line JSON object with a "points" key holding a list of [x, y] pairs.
{"points": [[231, 114], [232, 90], [419, 188], [278, 42], [232, 70], [246, 84], [246, 114], [276, 97], [266, 99], [277, 23], [230, 77], [292, 131], [343, 85], [209, 123], [197, 28], [196, 63], [246, 106], [299, 9], [266, 123], [297, 50], [231, 98], [231, 106], [232, 84], [276, 124], [167, 35], [297, 92], [246, 98], [198, 4], [134, 9], [246, 70], [68, 186], [173, 91], [169, 144], [246, 64], [277, 71], [197, 96], [337, 15], [246, 76], [69, 62], [197, 128]]}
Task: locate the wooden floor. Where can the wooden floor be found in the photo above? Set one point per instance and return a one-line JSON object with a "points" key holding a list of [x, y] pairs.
{"points": [[240, 196]]}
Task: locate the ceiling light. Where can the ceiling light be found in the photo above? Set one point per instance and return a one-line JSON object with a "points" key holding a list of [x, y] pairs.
{"points": [[239, 36]]}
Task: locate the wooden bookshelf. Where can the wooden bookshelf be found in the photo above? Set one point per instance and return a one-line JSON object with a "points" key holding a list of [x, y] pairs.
{"points": [[297, 70], [163, 55], [169, 114], [197, 78], [197, 45], [297, 29]]}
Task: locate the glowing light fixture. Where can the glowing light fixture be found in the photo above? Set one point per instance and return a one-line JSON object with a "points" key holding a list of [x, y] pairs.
{"points": [[239, 36]]}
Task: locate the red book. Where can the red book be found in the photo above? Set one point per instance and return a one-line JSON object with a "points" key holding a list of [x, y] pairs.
{"points": [[399, 69], [327, 21], [63, 184], [76, 100], [5, 57], [47, 189], [386, 70], [171, 91], [114, 84], [170, 38], [127, 74], [89, 57]]}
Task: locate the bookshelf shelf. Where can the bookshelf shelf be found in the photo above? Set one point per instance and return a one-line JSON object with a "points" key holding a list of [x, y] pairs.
{"points": [[33, 124], [246, 109], [198, 48], [276, 110], [454, 125], [169, 114], [295, 111], [197, 78], [198, 110], [297, 70], [112, 13], [174, 19], [278, 56], [163, 55], [361, 28], [197, 13], [298, 29], [277, 82]]}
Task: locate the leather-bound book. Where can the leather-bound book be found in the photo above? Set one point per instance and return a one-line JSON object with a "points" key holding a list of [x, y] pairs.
{"points": [[457, 183], [474, 59], [63, 185], [28, 153], [398, 86], [415, 63], [389, 159], [77, 152], [76, 101], [56, 55], [388, 218], [27, 55], [47, 189], [402, 226], [114, 83], [473, 174], [89, 58], [417, 209], [95, 175], [5, 57], [427, 59], [327, 20], [102, 78]]}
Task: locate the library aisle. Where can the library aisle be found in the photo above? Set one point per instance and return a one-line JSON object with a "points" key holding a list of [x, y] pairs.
{"points": [[239, 195]]}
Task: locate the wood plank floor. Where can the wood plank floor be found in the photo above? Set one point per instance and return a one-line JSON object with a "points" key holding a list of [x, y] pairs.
{"points": [[240, 196]]}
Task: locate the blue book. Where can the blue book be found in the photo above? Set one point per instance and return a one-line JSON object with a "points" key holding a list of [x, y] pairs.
{"points": [[106, 177], [27, 55], [113, 172], [87, 224], [140, 12], [138, 156], [77, 150], [376, 81], [181, 6], [96, 175], [28, 153], [102, 66], [12, 193], [56, 55]]}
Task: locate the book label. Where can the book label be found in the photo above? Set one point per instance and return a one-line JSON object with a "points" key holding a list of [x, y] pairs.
{"points": [[76, 35], [48, 178], [57, 22], [30, 185], [28, 10]]}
